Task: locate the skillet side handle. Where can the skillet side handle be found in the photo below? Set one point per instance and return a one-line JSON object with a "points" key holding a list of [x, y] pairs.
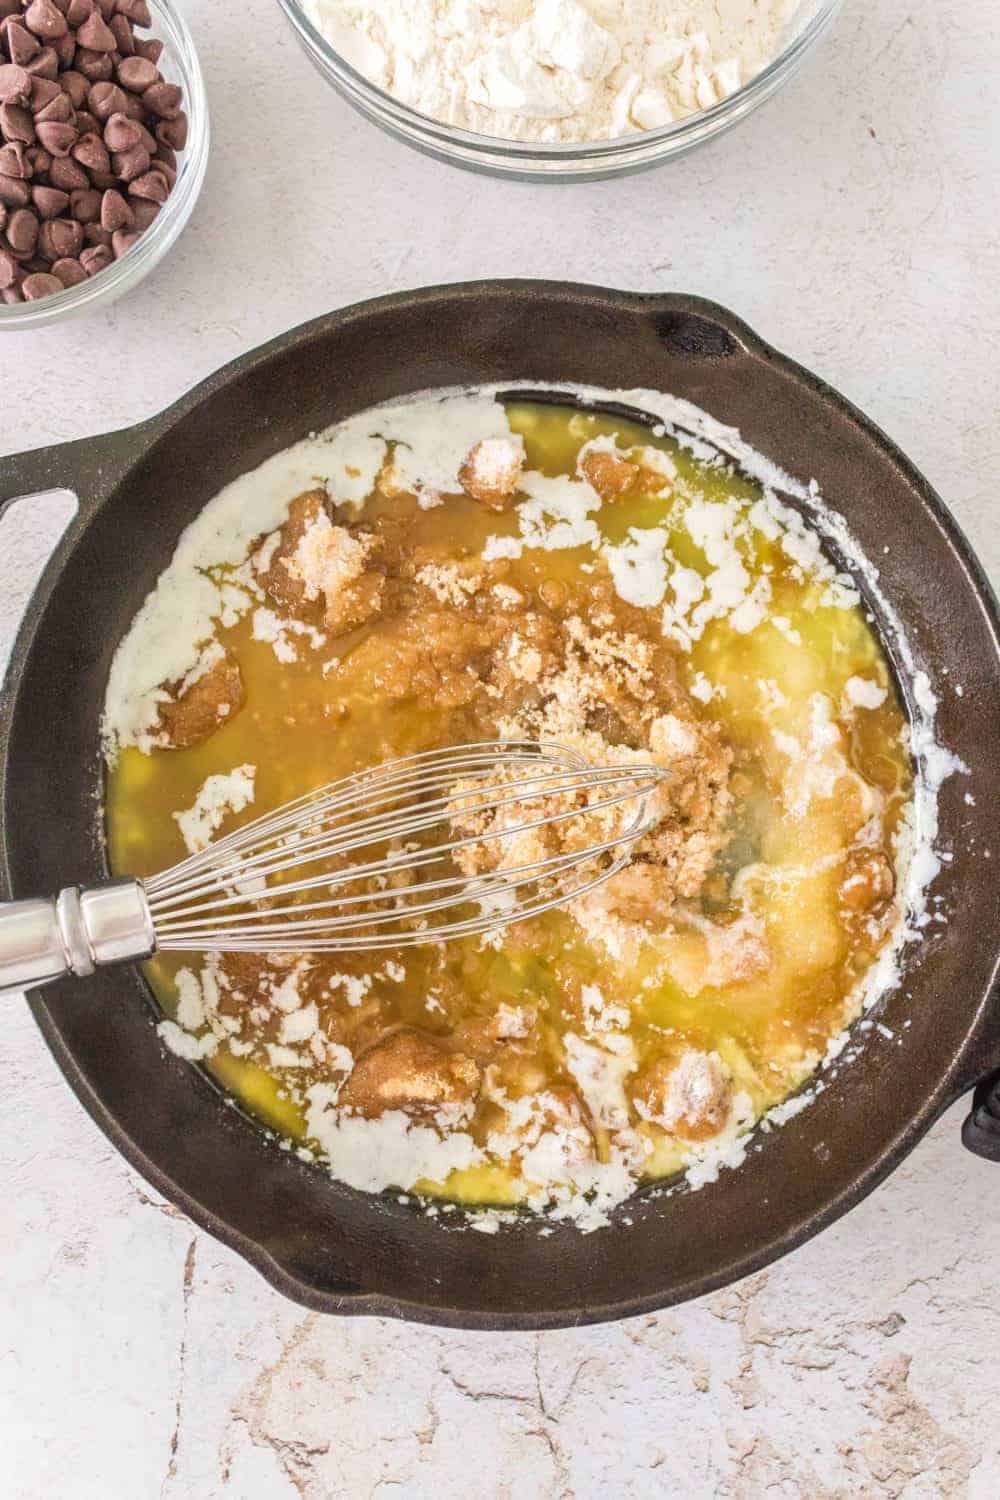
{"points": [[981, 1130], [89, 468]]}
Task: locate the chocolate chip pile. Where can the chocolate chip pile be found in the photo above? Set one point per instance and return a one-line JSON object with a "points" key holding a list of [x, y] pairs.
{"points": [[90, 132]]}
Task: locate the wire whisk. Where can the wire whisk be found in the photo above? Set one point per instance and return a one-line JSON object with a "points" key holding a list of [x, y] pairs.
{"points": [[379, 859]]}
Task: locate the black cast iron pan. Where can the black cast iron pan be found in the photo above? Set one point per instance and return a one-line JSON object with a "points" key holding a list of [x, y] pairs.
{"points": [[325, 1245]]}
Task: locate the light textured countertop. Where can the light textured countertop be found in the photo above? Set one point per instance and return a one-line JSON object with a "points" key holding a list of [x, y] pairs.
{"points": [[854, 223]]}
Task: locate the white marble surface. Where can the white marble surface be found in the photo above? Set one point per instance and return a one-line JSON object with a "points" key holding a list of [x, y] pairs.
{"points": [[854, 222]]}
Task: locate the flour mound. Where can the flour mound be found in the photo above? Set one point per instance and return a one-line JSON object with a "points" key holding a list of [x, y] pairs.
{"points": [[556, 70]]}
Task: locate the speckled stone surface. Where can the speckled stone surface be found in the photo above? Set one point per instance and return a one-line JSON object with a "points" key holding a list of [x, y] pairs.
{"points": [[854, 222]]}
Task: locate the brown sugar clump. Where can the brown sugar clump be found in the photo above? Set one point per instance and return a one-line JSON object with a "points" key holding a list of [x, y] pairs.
{"points": [[641, 894], [354, 604], [411, 1072], [869, 882], [492, 472], [198, 710], [435, 655], [615, 700], [607, 472], [690, 1097], [318, 568], [285, 586]]}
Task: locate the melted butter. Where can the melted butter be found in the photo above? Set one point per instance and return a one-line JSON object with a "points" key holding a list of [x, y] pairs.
{"points": [[301, 728]]}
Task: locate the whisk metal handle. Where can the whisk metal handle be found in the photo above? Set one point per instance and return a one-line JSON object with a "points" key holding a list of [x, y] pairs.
{"points": [[74, 933]]}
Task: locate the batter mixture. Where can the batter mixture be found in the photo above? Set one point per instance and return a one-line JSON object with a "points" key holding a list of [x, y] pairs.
{"points": [[458, 568]]}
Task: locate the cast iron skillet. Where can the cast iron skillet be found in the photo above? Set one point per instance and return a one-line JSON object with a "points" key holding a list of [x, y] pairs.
{"points": [[325, 1245]]}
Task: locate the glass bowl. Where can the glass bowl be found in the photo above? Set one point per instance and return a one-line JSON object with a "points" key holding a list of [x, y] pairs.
{"points": [[178, 64], [579, 161]]}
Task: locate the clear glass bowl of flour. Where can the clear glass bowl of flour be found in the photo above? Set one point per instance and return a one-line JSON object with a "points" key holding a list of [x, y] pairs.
{"points": [[576, 161]]}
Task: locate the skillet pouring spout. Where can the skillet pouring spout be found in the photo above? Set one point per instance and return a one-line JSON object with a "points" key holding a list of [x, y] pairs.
{"points": [[328, 1246]]}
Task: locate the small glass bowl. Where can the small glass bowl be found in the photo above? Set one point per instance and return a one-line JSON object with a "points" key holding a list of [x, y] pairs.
{"points": [[178, 64], [579, 161]]}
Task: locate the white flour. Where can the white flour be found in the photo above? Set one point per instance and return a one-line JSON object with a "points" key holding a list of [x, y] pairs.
{"points": [[555, 70]]}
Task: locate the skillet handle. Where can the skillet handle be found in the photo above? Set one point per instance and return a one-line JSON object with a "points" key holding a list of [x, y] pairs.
{"points": [[88, 467], [981, 1130]]}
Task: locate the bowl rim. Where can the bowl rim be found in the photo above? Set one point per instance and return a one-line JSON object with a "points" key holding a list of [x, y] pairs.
{"points": [[108, 463], [155, 242], [665, 140]]}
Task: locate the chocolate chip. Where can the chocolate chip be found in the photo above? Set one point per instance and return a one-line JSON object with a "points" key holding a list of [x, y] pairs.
{"points": [[22, 231], [85, 205], [75, 87], [16, 123], [122, 241], [91, 152], [153, 185], [121, 133], [131, 163], [173, 133], [96, 234], [65, 49], [164, 99], [60, 237], [137, 12], [21, 45], [58, 108], [137, 73], [15, 84], [4, 215], [14, 160], [151, 48], [67, 174], [45, 20], [14, 191], [45, 64], [43, 91], [77, 11], [50, 202], [40, 284], [115, 212], [40, 160], [69, 271], [144, 211], [105, 99], [11, 294], [94, 65], [8, 269], [57, 138], [96, 258], [96, 35], [124, 40]]}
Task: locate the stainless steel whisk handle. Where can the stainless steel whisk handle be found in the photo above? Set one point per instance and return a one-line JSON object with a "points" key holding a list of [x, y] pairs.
{"points": [[74, 933]]}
